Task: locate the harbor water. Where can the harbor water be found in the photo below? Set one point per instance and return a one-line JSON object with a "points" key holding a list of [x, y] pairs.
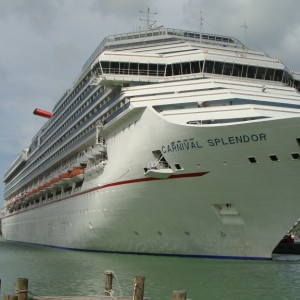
{"points": [[52, 271]]}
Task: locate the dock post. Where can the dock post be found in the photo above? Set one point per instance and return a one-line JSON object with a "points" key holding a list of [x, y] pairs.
{"points": [[179, 295], [108, 283], [22, 288], [138, 290], [10, 297]]}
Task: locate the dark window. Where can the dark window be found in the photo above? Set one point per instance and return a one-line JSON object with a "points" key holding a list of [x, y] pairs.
{"points": [[252, 159], [186, 68], [228, 67], [218, 68], [133, 69], [251, 72], [114, 67], [78, 184], [278, 75], [261, 72], [273, 157], [176, 69], [195, 67], [153, 70], [161, 70], [169, 70], [237, 70], [244, 71], [124, 67], [295, 155], [177, 166], [105, 66], [143, 69], [270, 74], [208, 67]]}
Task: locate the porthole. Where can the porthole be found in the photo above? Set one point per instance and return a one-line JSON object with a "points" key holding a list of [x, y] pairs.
{"points": [[295, 155], [177, 166], [252, 159], [273, 157]]}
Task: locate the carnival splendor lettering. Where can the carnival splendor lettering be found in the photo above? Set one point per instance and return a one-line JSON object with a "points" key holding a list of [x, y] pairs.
{"points": [[230, 140], [192, 144]]}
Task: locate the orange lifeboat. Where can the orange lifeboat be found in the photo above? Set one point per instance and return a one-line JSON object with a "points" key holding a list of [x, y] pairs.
{"points": [[65, 177], [48, 186], [77, 174], [55, 181]]}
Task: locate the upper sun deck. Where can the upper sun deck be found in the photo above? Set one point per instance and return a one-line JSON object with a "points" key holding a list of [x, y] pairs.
{"points": [[158, 36]]}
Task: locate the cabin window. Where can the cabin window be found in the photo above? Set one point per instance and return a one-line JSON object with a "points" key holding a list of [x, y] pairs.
{"points": [[115, 67], [124, 68], [153, 70], [176, 69], [143, 69], [195, 67], [169, 70], [251, 72], [228, 67], [133, 69], [237, 70], [273, 157], [186, 68], [105, 66], [278, 75], [161, 70], [252, 159], [177, 166], [218, 67], [270, 74], [261, 73]]}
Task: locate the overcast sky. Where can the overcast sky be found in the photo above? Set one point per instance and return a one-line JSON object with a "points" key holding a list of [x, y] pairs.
{"points": [[44, 43]]}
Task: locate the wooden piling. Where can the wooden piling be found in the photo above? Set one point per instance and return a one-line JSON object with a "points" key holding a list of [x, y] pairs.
{"points": [[108, 283], [10, 297], [22, 288], [138, 291], [179, 295]]}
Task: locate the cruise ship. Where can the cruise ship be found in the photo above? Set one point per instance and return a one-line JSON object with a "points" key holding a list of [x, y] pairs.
{"points": [[169, 142]]}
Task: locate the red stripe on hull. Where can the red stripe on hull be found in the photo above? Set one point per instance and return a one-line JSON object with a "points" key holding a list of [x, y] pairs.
{"points": [[186, 175]]}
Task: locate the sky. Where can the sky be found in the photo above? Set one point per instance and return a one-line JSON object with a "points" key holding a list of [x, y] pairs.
{"points": [[44, 44]]}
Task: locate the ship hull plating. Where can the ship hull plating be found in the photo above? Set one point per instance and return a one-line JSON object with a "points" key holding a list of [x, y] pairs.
{"points": [[221, 200]]}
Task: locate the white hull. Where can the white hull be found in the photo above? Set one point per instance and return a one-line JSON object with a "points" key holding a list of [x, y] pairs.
{"points": [[217, 205]]}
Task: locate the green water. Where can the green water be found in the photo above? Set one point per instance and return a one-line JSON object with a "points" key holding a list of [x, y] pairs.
{"points": [[61, 272]]}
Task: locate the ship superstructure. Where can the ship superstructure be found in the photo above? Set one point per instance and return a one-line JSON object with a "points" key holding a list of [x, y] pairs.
{"points": [[169, 142]]}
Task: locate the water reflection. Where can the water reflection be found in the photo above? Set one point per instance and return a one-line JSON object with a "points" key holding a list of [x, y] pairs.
{"points": [[60, 272]]}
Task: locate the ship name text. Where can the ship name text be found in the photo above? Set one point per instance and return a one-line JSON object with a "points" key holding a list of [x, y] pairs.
{"points": [[181, 146], [192, 144], [230, 140]]}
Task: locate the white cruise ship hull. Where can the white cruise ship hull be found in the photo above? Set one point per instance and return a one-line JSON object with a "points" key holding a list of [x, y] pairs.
{"points": [[215, 204]]}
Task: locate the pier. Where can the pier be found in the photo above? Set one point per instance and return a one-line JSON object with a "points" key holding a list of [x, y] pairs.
{"points": [[23, 292]]}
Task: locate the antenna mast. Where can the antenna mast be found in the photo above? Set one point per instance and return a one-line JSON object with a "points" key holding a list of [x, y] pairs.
{"points": [[245, 33], [150, 23], [201, 23]]}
